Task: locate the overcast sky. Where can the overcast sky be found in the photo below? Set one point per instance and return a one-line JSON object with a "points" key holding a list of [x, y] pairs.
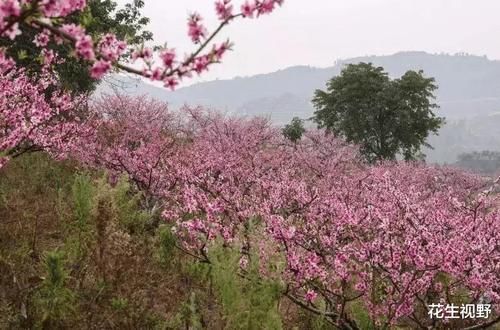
{"points": [[317, 32]]}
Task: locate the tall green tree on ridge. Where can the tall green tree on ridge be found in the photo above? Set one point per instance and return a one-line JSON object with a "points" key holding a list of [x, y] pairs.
{"points": [[386, 117]]}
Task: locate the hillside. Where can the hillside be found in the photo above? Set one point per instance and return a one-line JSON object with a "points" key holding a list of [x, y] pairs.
{"points": [[469, 93]]}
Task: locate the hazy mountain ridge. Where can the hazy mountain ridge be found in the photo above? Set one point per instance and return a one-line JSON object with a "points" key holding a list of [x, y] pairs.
{"points": [[469, 87], [464, 81]]}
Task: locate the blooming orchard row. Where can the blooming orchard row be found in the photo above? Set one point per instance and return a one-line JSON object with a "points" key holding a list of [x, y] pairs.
{"points": [[396, 237], [50, 18]]}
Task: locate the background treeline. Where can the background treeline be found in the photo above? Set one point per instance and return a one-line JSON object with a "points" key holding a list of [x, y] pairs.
{"points": [[484, 162]]}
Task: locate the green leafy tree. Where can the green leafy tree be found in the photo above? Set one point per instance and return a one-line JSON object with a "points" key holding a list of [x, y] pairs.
{"points": [[98, 18], [386, 117], [294, 130]]}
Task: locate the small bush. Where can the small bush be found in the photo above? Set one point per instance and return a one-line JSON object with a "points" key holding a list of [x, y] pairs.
{"points": [[54, 301]]}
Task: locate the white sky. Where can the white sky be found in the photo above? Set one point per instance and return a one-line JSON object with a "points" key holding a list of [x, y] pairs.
{"points": [[317, 32]]}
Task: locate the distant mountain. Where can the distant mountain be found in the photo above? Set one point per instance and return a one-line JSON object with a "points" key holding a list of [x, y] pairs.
{"points": [[469, 87]]}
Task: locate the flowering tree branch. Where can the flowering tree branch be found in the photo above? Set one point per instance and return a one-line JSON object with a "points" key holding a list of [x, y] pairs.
{"points": [[107, 52]]}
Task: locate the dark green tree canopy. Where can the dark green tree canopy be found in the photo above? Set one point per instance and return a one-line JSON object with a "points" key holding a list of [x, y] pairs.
{"points": [[99, 17], [294, 130], [386, 117]]}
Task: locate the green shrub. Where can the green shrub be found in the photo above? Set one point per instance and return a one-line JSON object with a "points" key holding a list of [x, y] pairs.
{"points": [[248, 302], [127, 205], [83, 192], [167, 245], [54, 301]]}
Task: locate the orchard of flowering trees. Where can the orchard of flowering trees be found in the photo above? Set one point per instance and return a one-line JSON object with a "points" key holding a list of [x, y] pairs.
{"points": [[336, 232], [342, 238]]}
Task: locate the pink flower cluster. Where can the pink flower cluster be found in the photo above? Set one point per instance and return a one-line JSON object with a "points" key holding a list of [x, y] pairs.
{"points": [[12, 9], [59, 8], [110, 50], [49, 16], [224, 9], [196, 30], [259, 7], [6, 63], [133, 136], [30, 120]]}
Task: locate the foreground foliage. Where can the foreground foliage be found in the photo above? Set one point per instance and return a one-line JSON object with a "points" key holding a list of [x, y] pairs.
{"points": [[78, 253]]}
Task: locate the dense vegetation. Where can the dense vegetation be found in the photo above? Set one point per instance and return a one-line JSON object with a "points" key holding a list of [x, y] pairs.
{"points": [[307, 219], [78, 253], [119, 213]]}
